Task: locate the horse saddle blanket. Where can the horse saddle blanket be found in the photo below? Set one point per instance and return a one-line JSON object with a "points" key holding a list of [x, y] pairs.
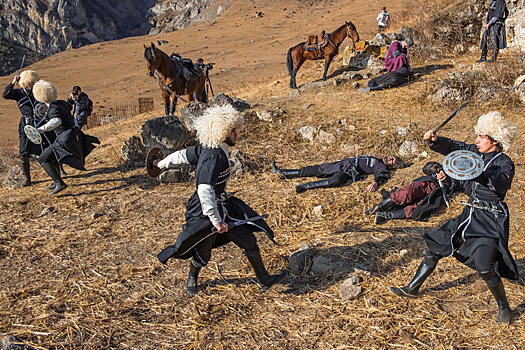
{"points": [[317, 41]]}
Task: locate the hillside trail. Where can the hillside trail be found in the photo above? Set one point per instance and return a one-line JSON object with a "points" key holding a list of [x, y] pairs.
{"points": [[246, 49]]}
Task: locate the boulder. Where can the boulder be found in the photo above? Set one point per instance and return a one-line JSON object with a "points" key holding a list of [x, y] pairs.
{"points": [[133, 150], [301, 258], [376, 64], [381, 39], [190, 113], [318, 211], [269, 115], [166, 133], [239, 104], [357, 60], [323, 265], [325, 137], [350, 289], [221, 99], [488, 93]]}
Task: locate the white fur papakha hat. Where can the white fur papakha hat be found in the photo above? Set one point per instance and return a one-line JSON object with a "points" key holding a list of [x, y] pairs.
{"points": [[214, 126], [28, 77], [494, 125], [45, 92]]}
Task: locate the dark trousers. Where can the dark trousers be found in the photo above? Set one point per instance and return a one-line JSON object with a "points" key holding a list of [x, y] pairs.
{"points": [[47, 156], [412, 195], [240, 235], [336, 179]]}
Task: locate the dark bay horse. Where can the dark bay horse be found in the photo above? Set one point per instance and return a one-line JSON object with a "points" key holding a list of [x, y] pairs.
{"points": [[298, 54], [171, 75]]}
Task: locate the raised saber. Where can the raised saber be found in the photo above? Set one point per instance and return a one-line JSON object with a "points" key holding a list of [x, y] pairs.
{"points": [[23, 59], [451, 116]]}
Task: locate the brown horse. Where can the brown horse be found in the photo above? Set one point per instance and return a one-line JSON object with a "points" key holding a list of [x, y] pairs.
{"points": [[171, 76], [298, 54]]}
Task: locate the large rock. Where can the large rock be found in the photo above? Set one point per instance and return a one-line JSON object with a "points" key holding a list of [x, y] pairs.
{"points": [[488, 94], [350, 289], [190, 113], [515, 25], [407, 148], [301, 258], [307, 133], [270, 115], [133, 150], [221, 99], [166, 133], [457, 87], [357, 60], [323, 265]]}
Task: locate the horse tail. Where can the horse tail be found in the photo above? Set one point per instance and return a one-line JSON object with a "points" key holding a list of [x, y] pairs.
{"points": [[289, 61]]}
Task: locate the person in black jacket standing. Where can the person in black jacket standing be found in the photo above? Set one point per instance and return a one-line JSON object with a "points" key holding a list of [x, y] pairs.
{"points": [[494, 37], [71, 146], [80, 102], [211, 210], [479, 236], [26, 103]]}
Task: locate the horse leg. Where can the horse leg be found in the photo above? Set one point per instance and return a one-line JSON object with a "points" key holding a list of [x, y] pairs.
{"points": [[294, 71], [327, 62], [173, 105]]}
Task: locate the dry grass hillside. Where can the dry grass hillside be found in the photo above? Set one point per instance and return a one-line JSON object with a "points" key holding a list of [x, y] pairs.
{"points": [[79, 269]]}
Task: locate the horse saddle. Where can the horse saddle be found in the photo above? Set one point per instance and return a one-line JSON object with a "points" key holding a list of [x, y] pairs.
{"points": [[188, 70], [317, 41]]}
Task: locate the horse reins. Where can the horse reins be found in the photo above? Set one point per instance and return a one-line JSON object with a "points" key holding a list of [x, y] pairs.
{"points": [[166, 86]]}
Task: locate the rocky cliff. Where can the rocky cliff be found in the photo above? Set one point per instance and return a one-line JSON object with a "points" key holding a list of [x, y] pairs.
{"points": [[46, 27]]}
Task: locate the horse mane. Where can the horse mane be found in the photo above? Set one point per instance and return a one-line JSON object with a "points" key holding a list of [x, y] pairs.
{"points": [[350, 24]]}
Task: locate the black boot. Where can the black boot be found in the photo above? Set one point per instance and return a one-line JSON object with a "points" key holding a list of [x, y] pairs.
{"points": [[24, 161], [384, 205], [193, 276], [494, 56], [483, 56], [50, 169], [266, 280], [425, 269], [309, 185], [495, 285], [382, 217], [61, 169], [288, 173]]}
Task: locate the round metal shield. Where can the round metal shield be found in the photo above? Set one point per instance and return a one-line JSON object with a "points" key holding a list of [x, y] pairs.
{"points": [[40, 111], [463, 165], [32, 134], [152, 170]]}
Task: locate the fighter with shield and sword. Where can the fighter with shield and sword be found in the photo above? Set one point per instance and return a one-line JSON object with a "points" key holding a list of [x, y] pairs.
{"points": [[213, 216], [479, 236]]}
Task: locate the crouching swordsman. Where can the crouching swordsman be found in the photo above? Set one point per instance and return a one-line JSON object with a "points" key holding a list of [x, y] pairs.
{"points": [[479, 236], [211, 212], [71, 146]]}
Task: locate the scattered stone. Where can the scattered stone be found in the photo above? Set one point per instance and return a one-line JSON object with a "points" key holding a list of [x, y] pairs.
{"points": [[307, 133], [190, 113], [350, 289], [170, 176], [96, 215], [14, 178], [306, 106], [323, 265], [338, 81], [167, 133], [326, 137], [11, 343], [407, 148], [134, 150], [237, 162], [403, 252], [381, 39], [301, 258], [269, 115], [47, 210], [293, 93], [401, 131], [473, 48], [357, 60], [488, 94], [350, 149], [221, 99], [318, 211], [241, 105], [356, 85]]}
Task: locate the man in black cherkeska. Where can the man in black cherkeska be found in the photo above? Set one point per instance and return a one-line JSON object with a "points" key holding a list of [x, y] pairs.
{"points": [[495, 37], [26, 103], [211, 207], [479, 236], [340, 172], [81, 106], [71, 146], [417, 200]]}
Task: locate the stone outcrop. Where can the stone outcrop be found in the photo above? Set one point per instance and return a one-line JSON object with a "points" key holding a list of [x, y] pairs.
{"points": [[166, 133]]}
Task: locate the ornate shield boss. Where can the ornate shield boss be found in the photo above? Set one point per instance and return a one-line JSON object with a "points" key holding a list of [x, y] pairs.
{"points": [[40, 111], [32, 134], [152, 170], [463, 165]]}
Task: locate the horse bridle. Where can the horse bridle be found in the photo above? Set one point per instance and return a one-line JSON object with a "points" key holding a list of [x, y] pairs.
{"points": [[351, 37]]}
